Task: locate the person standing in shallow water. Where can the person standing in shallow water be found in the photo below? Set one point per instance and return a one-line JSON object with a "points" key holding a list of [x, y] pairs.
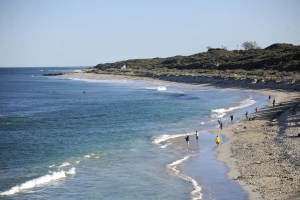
{"points": [[221, 126], [187, 139], [274, 102], [218, 140], [197, 136], [231, 117]]}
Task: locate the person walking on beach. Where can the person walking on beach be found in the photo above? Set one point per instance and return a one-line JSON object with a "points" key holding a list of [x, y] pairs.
{"points": [[246, 114], [197, 136], [269, 97], [218, 140], [187, 139], [221, 126], [256, 110], [274, 101], [231, 117], [219, 120]]}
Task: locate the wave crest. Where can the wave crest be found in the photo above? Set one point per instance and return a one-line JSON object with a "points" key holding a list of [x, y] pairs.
{"points": [[38, 181]]}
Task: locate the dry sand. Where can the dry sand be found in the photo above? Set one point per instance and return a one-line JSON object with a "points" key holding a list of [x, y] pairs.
{"points": [[263, 155]]}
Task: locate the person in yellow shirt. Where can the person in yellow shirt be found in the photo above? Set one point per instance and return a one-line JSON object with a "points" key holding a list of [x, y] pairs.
{"points": [[218, 140]]}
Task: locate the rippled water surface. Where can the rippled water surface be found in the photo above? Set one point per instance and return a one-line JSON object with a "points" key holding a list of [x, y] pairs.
{"points": [[71, 138]]}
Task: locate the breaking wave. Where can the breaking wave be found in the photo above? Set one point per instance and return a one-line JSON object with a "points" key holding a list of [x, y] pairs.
{"points": [[39, 181], [222, 111]]}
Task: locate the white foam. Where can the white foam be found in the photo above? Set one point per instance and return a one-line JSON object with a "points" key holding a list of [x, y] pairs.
{"points": [[87, 156], [77, 161], [64, 164], [162, 138], [149, 88], [164, 146], [175, 163], [161, 88], [38, 181], [222, 111], [51, 166], [196, 193], [71, 171]]}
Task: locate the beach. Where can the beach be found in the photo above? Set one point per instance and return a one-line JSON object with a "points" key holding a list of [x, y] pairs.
{"points": [[262, 154]]}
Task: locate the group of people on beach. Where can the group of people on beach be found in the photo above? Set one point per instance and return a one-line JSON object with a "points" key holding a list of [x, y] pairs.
{"points": [[218, 140], [187, 139]]}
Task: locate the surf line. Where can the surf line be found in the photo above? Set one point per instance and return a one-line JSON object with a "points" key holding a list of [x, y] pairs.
{"points": [[196, 193], [38, 181]]}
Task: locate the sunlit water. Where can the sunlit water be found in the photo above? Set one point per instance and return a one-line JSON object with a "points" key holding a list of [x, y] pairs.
{"points": [[70, 138]]}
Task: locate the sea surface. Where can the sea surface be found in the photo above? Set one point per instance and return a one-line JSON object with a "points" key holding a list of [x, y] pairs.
{"points": [[75, 138]]}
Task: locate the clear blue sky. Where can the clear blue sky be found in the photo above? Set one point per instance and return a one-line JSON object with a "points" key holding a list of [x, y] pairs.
{"points": [[35, 33]]}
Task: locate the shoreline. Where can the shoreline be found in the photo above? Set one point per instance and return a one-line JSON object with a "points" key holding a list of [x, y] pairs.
{"points": [[255, 156], [256, 161]]}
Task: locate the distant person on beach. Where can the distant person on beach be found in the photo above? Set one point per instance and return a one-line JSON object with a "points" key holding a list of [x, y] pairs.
{"points": [[246, 114], [187, 139], [218, 140], [256, 110], [274, 101], [269, 97], [221, 126], [197, 135], [219, 120], [231, 117]]}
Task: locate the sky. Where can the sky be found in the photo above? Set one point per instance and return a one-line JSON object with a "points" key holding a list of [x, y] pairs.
{"points": [[57, 33]]}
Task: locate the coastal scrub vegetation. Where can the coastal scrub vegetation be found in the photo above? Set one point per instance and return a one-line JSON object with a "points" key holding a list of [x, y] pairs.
{"points": [[250, 45], [278, 62]]}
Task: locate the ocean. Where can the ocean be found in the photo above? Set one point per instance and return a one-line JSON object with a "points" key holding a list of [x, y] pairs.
{"points": [[78, 138]]}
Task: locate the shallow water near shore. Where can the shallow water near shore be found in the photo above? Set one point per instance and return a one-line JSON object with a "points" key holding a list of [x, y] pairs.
{"points": [[78, 138]]}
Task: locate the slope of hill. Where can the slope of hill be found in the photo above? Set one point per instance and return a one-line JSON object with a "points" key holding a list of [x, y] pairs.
{"points": [[278, 62]]}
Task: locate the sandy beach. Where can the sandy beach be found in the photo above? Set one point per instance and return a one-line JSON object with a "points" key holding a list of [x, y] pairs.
{"points": [[263, 154]]}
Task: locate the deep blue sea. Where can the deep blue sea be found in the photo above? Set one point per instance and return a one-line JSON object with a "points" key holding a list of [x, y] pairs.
{"points": [[74, 138]]}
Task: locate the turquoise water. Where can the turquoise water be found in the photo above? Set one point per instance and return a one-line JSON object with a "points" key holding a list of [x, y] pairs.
{"points": [[70, 138]]}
